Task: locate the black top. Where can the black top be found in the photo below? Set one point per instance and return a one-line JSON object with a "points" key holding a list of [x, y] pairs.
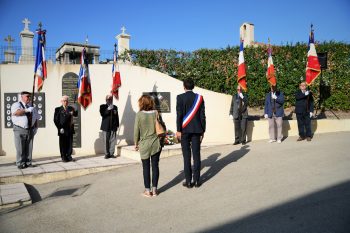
{"points": [[63, 119], [110, 118], [303, 103], [184, 103]]}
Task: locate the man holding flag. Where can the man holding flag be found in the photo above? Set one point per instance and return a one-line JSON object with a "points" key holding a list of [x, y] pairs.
{"points": [[304, 105], [239, 103], [274, 102]]}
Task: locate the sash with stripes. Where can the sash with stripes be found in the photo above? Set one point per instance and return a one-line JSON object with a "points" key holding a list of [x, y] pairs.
{"points": [[189, 116]]}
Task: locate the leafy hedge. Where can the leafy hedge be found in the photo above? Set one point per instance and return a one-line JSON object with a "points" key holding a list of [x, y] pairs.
{"points": [[216, 70]]}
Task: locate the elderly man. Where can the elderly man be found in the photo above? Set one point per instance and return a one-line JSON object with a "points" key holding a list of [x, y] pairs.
{"points": [[109, 126], [304, 108], [63, 119], [239, 114], [25, 124]]}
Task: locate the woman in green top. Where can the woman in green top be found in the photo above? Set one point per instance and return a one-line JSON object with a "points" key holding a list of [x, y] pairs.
{"points": [[147, 142]]}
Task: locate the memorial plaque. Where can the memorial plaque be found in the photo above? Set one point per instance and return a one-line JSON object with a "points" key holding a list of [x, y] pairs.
{"points": [[162, 100], [69, 88], [39, 103]]}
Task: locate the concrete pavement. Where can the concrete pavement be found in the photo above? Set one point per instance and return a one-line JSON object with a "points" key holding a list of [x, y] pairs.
{"points": [[259, 187]]}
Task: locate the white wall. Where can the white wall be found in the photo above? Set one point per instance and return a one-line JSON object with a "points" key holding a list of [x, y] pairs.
{"points": [[135, 80]]}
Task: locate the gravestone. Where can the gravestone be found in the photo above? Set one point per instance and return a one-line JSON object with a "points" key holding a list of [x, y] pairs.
{"points": [[69, 88]]}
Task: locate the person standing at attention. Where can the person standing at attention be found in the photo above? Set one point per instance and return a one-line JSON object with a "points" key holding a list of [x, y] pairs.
{"points": [[191, 125]]}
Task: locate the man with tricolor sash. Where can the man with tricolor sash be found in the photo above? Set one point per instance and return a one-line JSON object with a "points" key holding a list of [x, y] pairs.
{"points": [[191, 124]]}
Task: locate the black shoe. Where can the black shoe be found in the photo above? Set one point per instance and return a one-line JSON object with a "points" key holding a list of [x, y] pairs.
{"points": [[107, 156], [236, 143], [70, 159], [21, 166], [187, 185], [30, 165], [197, 184], [112, 156], [244, 142]]}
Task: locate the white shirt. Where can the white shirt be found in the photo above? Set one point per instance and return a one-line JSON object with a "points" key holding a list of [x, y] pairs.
{"points": [[22, 121]]}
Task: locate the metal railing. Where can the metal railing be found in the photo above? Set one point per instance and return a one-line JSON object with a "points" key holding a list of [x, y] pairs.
{"points": [[17, 54]]}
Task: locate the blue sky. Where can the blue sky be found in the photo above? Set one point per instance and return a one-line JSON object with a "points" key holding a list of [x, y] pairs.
{"points": [[178, 24]]}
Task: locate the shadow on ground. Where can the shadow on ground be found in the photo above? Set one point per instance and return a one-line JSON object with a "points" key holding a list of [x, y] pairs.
{"points": [[325, 211]]}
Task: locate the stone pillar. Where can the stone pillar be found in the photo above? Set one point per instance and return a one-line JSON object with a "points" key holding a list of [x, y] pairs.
{"points": [[66, 59], [27, 44], [123, 41], [246, 33]]}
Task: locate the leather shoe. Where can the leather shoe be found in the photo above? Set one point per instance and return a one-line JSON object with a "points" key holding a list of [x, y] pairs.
{"points": [[112, 156], [308, 139], [244, 142], [187, 185], [106, 156], [197, 184], [21, 166], [235, 143], [300, 139]]}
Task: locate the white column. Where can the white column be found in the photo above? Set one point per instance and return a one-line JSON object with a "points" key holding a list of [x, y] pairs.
{"points": [[26, 43], [123, 41]]}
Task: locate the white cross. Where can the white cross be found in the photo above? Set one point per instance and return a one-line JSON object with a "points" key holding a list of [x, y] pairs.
{"points": [[26, 24], [123, 30]]}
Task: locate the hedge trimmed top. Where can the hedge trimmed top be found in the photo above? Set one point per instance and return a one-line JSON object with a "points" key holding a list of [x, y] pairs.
{"points": [[216, 70]]}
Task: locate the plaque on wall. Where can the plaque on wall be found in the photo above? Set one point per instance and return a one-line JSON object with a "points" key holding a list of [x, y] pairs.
{"points": [[69, 88], [161, 99], [39, 103]]}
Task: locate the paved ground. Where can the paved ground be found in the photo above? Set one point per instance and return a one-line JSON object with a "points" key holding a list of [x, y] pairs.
{"points": [[260, 187]]}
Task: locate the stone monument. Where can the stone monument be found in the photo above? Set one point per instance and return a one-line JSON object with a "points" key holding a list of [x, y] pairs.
{"points": [[123, 41], [27, 44], [246, 33], [9, 53]]}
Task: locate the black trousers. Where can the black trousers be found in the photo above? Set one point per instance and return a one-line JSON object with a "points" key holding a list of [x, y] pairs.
{"points": [[191, 142], [240, 129], [66, 146], [155, 171], [304, 124]]}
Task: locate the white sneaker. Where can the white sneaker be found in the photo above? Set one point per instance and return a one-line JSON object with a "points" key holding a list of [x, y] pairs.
{"points": [[271, 140], [279, 141]]}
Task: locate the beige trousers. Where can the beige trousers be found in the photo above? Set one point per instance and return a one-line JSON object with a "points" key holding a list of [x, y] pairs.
{"points": [[275, 126]]}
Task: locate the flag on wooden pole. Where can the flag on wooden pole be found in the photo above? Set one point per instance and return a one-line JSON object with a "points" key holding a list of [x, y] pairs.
{"points": [[116, 80], [40, 71], [270, 73], [313, 68], [241, 78], [84, 83]]}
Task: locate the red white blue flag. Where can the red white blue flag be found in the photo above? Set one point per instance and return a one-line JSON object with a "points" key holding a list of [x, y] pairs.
{"points": [[270, 73], [84, 83], [313, 68], [241, 79], [40, 71], [116, 80], [194, 109]]}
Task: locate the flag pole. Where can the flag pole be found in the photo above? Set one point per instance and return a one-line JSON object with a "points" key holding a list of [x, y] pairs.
{"points": [[308, 96], [33, 90], [114, 55]]}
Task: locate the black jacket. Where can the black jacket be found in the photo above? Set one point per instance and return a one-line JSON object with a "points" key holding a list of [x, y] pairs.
{"points": [[303, 103], [239, 106], [110, 118], [184, 102], [63, 119]]}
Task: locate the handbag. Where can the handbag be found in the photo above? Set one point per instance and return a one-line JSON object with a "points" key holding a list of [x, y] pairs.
{"points": [[160, 126]]}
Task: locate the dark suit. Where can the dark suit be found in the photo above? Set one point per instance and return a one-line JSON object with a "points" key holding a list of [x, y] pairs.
{"points": [[239, 111], [191, 134], [63, 119], [109, 126], [304, 104]]}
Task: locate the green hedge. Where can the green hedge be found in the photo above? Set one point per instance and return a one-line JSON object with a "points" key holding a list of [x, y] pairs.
{"points": [[216, 70]]}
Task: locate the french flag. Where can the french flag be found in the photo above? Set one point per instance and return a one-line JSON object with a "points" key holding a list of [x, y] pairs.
{"points": [[84, 83], [241, 69], [313, 68], [270, 74], [40, 70], [116, 80]]}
